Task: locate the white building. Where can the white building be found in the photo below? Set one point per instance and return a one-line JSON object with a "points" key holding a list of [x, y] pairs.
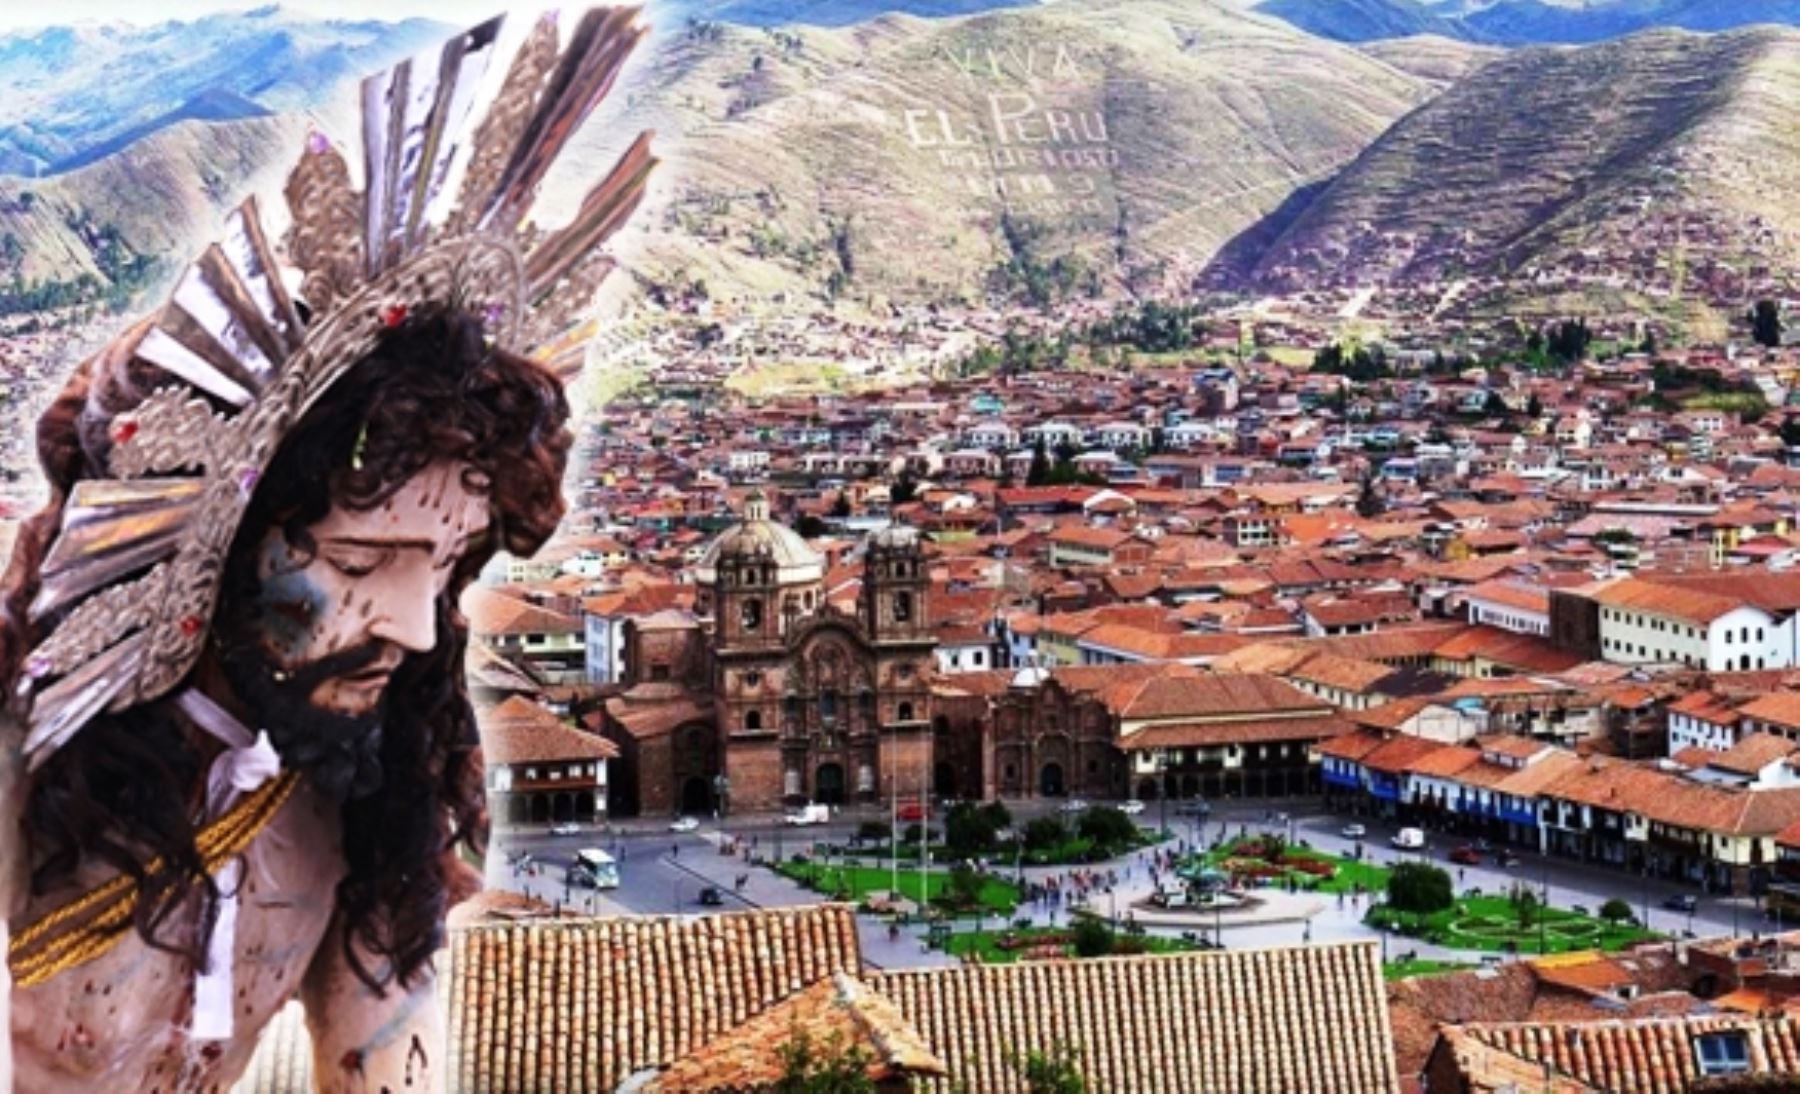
{"points": [[1669, 622]]}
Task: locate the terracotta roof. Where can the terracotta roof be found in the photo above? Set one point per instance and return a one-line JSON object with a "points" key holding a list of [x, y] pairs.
{"points": [[1519, 652], [519, 731], [1653, 1056], [582, 1004], [1780, 708], [1209, 734], [1706, 707], [1103, 539], [1658, 598], [1345, 673], [1445, 762], [835, 1014], [496, 613], [1214, 694], [1308, 1018], [1351, 746], [1512, 593], [1395, 756], [1755, 752]]}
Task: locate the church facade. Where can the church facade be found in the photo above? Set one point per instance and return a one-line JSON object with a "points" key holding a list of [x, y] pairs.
{"points": [[769, 696]]}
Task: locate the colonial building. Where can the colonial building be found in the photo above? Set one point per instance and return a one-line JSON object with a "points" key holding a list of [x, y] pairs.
{"points": [[540, 770], [768, 695]]}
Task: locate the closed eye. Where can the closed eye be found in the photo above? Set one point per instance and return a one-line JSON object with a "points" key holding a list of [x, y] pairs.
{"points": [[357, 560]]}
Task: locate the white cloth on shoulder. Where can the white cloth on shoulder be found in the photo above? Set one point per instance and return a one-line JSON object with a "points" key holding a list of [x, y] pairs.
{"points": [[246, 764]]}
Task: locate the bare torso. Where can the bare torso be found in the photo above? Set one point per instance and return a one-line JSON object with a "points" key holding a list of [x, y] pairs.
{"points": [[119, 1022]]}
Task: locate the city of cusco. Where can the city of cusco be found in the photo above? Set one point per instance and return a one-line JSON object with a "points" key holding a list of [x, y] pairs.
{"points": [[1174, 546]]}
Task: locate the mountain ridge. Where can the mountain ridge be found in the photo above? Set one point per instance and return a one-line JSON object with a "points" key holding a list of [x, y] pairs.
{"points": [[1647, 161]]}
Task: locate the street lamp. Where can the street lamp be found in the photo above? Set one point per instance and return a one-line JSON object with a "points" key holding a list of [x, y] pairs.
{"points": [[1162, 789]]}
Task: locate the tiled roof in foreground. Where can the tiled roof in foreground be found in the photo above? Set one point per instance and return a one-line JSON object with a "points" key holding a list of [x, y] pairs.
{"points": [[834, 1015], [1649, 1056], [1246, 1021], [582, 1004]]}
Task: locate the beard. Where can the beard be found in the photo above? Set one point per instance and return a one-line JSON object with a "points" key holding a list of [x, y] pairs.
{"points": [[340, 753]]}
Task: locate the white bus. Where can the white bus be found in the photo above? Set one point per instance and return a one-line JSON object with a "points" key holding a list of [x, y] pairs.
{"points": [[594, 869]]}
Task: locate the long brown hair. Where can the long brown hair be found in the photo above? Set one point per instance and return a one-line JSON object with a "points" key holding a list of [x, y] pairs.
{"points": [[122, 789]]}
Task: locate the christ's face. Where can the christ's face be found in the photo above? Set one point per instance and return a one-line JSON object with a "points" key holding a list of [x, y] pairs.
{"points": [[339, 619]]}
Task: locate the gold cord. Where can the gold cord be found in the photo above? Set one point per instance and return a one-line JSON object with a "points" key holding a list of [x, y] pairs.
{"points": [[45, 948]]}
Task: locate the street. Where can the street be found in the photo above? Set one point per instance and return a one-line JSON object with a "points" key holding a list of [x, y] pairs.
{"points": [[663, 872]]}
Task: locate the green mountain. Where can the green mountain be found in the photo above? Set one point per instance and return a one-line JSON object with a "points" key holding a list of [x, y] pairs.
{"points": [[1661, 162], [911, 159]]}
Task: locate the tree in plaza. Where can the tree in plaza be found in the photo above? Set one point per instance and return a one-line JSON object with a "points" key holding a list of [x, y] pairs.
{"points": [[1109, 828], [874, 830], [1526, 904], [964, 890], [970, 828], [1615, 911], [1765, 323], [1093, 938], [1419, 887], [1044, 833], [835, 1067]]}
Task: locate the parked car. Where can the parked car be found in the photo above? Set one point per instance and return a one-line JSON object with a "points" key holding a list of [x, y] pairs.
{"points": [[1354, 831], [1507, 859], [684, 824], [808, 814], [911, 811], [1682, 902], [1483, 846], [1073, 805], [565, 829], [1132, 808], [712, 896], [1465, 856], [1409, 839], [1198, 807]]}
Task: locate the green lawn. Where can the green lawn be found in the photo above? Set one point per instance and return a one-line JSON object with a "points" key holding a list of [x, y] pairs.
{"points": [[1406, 970], [1489, 924], [856, 882], [1347, 873], [986, 944]]}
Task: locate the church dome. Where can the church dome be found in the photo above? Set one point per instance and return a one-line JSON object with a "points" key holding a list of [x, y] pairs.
{"points": [[796, 563], [1030, 676]]}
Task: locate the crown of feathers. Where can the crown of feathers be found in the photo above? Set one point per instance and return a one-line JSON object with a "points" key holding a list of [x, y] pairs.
{"points": [[129, 584]]}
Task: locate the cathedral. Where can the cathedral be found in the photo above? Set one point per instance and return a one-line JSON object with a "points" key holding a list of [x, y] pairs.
{"points": [[767, 695]]}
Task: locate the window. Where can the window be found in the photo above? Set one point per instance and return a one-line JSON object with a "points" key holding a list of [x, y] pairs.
{"points": [[904, 712], [659, 672], [902, 607], [1723, 1053], [752, 679], [753, 720]]}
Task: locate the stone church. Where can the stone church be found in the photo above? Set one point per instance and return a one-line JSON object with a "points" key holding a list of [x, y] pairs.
{"points": [[767, 695]]}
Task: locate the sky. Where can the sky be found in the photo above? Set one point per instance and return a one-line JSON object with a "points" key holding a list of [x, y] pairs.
{"points": [[27, 16]]}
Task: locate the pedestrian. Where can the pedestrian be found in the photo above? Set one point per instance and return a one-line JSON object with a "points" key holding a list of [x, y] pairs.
{"points": [[674, 850]]}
